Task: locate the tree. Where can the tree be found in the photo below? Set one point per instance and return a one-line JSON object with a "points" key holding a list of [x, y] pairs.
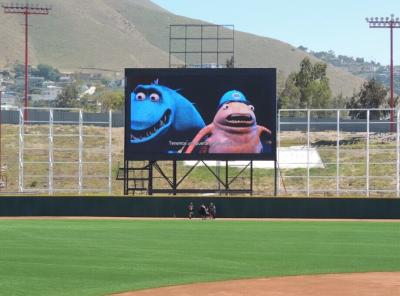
{"points": [[47, 71], [303, 48], [19, 70], [69, 97], [339, 102], [371, 95], [308, 88], [114, 100], [290, 95]]}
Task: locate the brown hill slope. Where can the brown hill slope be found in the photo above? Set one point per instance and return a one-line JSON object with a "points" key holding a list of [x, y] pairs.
{"points": [[131, 33]]}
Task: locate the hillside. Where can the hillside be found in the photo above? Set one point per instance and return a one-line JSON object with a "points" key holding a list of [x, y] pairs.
{"points": [[132, 33]]}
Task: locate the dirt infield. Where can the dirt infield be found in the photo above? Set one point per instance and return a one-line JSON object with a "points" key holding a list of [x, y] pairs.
{"points": [[352, 284]]}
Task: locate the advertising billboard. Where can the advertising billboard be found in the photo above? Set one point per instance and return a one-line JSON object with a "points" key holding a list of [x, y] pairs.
{"points": [[204, 114]]}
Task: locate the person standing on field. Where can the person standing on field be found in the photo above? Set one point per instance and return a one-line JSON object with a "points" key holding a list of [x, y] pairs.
{"points": [[191, 210], [203, 211], [212, 210]]}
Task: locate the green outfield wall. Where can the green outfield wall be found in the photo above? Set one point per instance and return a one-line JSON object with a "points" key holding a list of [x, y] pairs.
{"points": [[227, 207]]}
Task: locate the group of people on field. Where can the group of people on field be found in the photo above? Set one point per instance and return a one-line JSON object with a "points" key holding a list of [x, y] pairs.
{"points": [[205, 212]]}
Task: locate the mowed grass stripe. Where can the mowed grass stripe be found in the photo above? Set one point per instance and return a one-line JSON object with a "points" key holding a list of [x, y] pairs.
{"points": [[97, 257]]}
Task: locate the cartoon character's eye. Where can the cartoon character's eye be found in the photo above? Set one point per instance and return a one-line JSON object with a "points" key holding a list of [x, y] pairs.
{"points": [[225, 106], [251, 107], [140, 96], [155, 97]]}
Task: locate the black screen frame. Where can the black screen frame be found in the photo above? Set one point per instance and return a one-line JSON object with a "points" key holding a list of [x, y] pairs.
{"points": [[137, 74]]}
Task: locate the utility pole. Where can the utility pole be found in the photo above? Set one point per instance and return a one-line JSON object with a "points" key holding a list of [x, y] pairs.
{"points": [[387, 23], [26, 9], [1, 163]]}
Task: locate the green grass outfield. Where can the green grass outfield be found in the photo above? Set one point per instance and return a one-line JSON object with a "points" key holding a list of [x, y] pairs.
{"points": [[98, 257]]}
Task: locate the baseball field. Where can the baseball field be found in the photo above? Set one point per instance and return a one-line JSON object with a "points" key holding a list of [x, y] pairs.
{"points": [[102, 257]]}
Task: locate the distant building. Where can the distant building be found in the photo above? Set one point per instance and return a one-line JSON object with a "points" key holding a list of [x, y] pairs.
{"points": [[65, 80], [49, 93], [89, 77], [9, 98], [34, 82], [116, 83]]}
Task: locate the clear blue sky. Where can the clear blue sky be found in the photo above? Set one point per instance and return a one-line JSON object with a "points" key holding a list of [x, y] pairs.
{"points": [[317, 24]]}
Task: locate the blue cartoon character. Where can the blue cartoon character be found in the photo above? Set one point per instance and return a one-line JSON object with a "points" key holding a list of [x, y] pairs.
{"points": [[233, 130], [162, 119]]}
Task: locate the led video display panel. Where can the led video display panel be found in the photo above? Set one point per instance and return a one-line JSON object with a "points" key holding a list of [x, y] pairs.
{"points": [[204, 114]]}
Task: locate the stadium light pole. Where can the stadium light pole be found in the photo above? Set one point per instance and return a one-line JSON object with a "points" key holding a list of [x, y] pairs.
{"points": [[26, 9], [387, 23]]}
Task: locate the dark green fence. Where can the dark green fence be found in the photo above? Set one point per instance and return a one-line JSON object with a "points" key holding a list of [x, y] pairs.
{"points": [[341, 208]]}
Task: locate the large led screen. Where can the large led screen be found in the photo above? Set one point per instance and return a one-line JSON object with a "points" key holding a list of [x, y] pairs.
{"points": [[214, 114]]}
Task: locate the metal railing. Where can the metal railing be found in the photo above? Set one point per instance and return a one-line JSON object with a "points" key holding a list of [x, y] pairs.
{"points": [[61, 155], [359, 156], [66, 151]]}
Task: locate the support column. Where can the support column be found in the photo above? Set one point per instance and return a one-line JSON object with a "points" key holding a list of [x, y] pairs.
{"points": [[109, 151], [391, 81], [308, 152], [21, 151], [337, 152], [26, 65], [174, 176], [80, 161], [398, 154], [278, 147], [367, 156], [51, 152]]}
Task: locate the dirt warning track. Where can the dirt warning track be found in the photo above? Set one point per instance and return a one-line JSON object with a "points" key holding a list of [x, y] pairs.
{"points": [[352, 284]]}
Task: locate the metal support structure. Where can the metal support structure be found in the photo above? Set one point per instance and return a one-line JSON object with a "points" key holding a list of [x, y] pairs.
{"points": [[277, 169], [126, 175], [251, 178], [46, 159], [174, 182], [1, 143], [391, 81], [337, 152], [308, 152], [218, 169], [337, 139], [186, 37], [150, 177], [390, 23], [398, 154], [109, 151], [367, 155], [174, 176], [170, 47], [21, 152], [80, 153], [226, 175], [27, 10], [51, 152]]}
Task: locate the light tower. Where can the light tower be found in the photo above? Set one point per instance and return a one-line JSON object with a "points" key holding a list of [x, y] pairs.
{"points": [[387, 23], [26, 9]]}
